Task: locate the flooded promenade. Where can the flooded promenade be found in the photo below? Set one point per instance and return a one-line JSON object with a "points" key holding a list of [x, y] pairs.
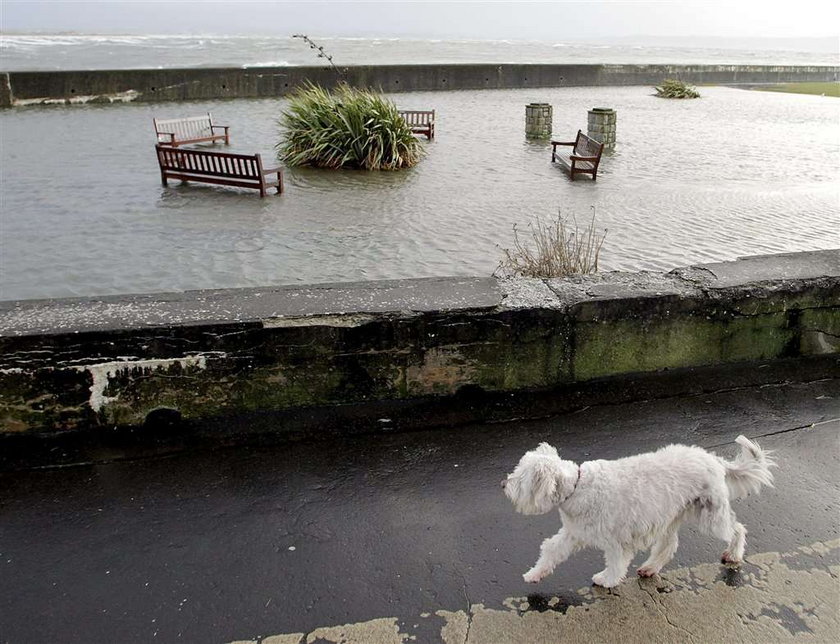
{"points": [[734, 173]]}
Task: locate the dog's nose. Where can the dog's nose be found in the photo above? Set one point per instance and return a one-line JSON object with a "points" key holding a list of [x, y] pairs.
{"points": [[504, 482]]}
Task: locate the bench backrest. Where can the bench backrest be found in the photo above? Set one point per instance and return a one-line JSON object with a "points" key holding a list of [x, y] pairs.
{"points": [[207, 162], [192, 127], [418, 117], [587, 147]]}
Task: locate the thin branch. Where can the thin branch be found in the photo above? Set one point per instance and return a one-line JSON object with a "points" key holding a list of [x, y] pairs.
{"points": [[321, 53]]}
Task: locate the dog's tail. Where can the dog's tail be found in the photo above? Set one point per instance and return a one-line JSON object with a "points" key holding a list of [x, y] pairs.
{"points": [[750, 469]]}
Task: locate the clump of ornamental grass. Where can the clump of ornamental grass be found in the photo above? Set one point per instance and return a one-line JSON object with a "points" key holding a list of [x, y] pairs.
{"points": [[555, 249], [673, 88], [345, 127]]}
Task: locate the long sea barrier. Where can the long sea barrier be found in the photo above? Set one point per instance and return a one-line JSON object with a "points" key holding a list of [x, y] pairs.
{"points": [[381, 348], [192, 84]]}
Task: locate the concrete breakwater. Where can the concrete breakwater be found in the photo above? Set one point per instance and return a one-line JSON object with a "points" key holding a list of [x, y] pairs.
{"points": [[110, 86], [120, 361]]}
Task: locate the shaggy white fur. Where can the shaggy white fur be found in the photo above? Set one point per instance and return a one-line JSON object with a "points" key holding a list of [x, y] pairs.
{"points": [[636, 503]]}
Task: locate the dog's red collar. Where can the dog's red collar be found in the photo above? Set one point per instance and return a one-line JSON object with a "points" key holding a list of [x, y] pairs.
{"points": [[569, 495]]}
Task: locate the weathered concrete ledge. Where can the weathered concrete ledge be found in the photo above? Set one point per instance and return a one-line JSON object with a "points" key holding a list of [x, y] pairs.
{"points": [[193, 84], [116, 361]]}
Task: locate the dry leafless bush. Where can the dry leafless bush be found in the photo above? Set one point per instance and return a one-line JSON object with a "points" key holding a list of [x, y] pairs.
{"points": [[556, 249]]}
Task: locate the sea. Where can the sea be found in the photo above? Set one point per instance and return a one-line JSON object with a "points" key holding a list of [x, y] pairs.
{"points": [[75, 51]]}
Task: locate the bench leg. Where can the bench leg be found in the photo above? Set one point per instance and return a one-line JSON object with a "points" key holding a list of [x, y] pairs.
{"points": [[279, 182]]}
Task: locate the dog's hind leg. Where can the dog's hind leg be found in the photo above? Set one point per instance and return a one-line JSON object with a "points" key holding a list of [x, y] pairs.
{"points": [[553, 551], [717, 518], [734, 553], [618, 558], [662, 552]]}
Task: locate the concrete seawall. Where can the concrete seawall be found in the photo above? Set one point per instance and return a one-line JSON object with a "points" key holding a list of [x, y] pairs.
{"points": [[120, 361], [107, 86]]}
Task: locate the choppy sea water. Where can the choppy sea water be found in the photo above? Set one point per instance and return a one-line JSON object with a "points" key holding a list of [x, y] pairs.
{"points": [[734, 173], [84, 51]]}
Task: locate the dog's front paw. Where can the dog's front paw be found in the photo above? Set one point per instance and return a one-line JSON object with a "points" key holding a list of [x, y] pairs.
{"points": [[728, 558], [534, 575], [647, 571]]}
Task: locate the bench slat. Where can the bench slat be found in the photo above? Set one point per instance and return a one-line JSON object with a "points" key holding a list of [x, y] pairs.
{"points": [[583, 146], [420, 121], [243, 170], [191, 129]]}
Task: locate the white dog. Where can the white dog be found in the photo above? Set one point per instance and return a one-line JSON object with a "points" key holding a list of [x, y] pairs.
{"points": [[636, 503]]}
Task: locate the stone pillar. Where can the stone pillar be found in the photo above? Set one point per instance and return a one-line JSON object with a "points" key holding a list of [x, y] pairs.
{"points": [[5, 90], [538, 120], [600, 124]]}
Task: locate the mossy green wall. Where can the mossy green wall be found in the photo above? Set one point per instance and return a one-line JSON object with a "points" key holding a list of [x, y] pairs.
{"points": [[568, 334]]}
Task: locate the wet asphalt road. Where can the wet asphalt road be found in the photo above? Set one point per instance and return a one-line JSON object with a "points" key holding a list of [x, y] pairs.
{"points": [[215, 546]]}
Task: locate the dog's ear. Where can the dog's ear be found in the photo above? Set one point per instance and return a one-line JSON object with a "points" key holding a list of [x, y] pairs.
{"points": [[545, 448], [544, 485]]}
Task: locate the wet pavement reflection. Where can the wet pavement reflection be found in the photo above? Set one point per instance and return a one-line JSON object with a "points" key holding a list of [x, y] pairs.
{"points": [[216, 545]]}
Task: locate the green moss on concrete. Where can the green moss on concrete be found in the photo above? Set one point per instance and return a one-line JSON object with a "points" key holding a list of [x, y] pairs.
{"points": [[775, 298], [207, 393], [628, 346], [820, 331], [522, 350], [763, 337], [45, 398], [538, 365], [283, 386], [132, 392]]}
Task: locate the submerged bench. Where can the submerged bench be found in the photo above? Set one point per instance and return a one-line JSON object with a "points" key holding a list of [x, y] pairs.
{"points": [[420, 121], [193, 129], [583, 158], [209, 166]]}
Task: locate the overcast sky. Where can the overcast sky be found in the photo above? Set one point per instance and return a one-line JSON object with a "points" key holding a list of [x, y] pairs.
{"points": [[479, 20]]}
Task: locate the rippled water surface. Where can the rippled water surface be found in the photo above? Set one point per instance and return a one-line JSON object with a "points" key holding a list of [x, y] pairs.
{"points": [[737, 172], [100, 51]]}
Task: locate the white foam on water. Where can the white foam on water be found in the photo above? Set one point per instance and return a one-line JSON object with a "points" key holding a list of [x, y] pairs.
{"points": [[267, 63]]}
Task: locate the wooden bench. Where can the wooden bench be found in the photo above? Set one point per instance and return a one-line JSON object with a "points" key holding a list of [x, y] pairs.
{"points": [[209, 166], [420, 121], [193, 129], [583, 158]]}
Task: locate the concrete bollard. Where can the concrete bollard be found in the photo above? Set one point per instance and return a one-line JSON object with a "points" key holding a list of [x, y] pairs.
{"points": [[538, 120], [600, 124], [5, 90]]}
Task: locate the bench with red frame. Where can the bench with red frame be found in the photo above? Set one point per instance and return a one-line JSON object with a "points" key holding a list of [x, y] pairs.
{"points": [[420, 121], [583, 158], [193, 129], [224, 168]]}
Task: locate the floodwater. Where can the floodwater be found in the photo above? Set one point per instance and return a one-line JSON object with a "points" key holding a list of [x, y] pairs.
{"points": [[734, 173]]}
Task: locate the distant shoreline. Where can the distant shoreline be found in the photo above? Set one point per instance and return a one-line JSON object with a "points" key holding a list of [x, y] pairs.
{"points": [[816, 89], [828, 43]]}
